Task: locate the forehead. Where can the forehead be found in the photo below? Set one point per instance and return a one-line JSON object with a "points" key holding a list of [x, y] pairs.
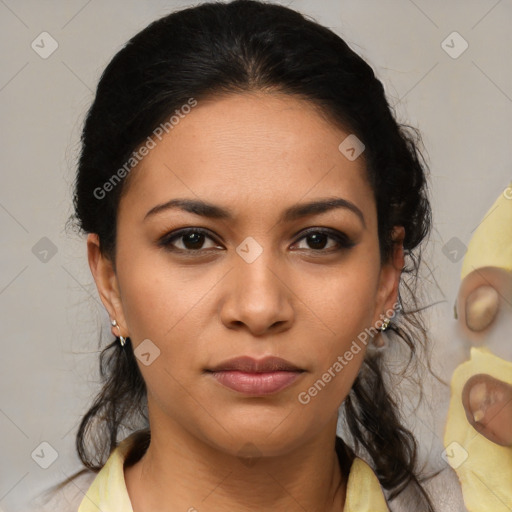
{"points": [[256, 151]]}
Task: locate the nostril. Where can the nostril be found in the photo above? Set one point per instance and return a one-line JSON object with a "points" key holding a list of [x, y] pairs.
{"points": [[481, 308]]}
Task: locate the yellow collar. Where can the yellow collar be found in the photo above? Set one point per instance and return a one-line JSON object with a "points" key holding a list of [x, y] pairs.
{"points": [[108, 491]]}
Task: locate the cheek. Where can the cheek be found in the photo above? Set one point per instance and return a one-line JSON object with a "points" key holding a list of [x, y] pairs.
{"points": [[157, 297], [344, 301], [345, 306], [160, 305]]}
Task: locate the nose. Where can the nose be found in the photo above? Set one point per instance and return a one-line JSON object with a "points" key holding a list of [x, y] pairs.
{"points": [[257, 297]]}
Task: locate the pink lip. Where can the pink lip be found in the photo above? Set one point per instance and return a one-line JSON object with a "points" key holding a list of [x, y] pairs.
{"points": [[256, 377]]}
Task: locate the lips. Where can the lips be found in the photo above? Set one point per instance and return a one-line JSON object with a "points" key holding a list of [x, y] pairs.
{"points": [[256, 377], [250, 365]]}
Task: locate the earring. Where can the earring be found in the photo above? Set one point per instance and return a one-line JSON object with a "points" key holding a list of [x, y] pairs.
{"points": [[122, 340], [385, 324], [379, 343]]}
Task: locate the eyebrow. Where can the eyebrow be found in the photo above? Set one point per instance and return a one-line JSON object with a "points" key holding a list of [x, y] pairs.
{"points": [[205, 209]]}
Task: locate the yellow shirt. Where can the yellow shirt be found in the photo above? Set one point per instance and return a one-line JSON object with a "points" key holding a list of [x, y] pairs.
{"points": [[108, 492]]}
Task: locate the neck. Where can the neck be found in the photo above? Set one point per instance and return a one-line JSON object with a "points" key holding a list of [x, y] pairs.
{"points": [[184, 473]]}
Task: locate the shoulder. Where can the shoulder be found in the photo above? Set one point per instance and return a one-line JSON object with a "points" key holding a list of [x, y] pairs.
{"points": [[108, 489], [364, 492], [65, 499]]}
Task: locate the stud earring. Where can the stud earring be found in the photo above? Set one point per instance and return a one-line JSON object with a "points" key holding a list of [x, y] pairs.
{"points": [[385, 324], [122, 340]]}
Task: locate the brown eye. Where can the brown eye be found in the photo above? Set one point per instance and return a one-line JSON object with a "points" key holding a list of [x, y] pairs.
{"points": [[192, 239], [318, 240]]}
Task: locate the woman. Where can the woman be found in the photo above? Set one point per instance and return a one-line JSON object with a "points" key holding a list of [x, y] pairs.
{"points": [[247, 318]]}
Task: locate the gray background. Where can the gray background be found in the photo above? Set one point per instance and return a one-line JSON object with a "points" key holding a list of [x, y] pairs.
{"points": [[50, 315]]}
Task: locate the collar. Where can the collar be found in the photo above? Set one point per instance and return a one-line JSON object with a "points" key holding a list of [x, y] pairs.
{"points": [[108, 492]]}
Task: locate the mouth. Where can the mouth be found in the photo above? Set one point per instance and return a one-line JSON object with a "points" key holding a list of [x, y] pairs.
{"points": [[256, 377]]}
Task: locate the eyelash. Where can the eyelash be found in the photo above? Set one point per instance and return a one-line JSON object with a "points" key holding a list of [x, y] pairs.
{"points": [[343, 240]]}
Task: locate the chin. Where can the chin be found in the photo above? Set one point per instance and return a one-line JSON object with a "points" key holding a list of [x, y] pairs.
{"points": [[258, 436]]}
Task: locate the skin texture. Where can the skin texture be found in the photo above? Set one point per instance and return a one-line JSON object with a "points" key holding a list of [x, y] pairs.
{"points": [[256, 154]]}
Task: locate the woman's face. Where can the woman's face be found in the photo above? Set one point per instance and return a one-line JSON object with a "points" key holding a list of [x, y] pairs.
{"points": [[254, 282]]}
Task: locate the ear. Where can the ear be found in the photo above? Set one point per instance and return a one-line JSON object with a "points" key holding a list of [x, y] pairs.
{"points": [[387, 295], [105, 277]]}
